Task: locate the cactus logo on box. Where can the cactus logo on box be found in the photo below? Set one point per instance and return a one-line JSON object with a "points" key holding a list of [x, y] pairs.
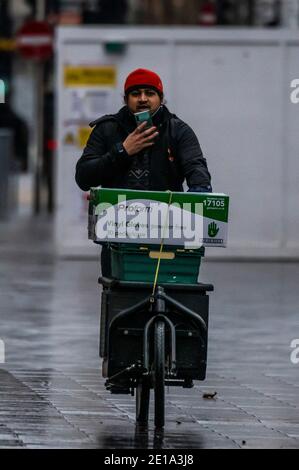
{"points": [[2, 92], [213, 229]]}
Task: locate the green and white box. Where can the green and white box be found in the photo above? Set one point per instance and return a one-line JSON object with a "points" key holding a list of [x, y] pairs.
{"points": [[188, 219]]}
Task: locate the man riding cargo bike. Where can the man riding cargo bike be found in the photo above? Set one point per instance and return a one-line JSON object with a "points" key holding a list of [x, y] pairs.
{"points": [[154, 313]]}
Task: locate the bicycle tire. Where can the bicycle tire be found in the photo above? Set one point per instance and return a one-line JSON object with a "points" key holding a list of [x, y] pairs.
{"points": [[159, 374], [142, 402]]}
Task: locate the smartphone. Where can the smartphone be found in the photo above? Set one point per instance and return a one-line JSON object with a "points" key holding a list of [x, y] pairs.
{"points": [[144, 116]]}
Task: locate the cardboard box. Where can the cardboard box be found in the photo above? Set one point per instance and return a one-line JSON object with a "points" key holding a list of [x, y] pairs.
{"points": [[150, 217]]}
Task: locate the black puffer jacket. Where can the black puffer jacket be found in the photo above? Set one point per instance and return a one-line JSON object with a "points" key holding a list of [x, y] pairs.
{"points": [[176, 156]]}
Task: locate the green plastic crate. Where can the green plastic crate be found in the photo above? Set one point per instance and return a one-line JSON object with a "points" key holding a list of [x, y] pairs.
{"points": [[133, 263]]}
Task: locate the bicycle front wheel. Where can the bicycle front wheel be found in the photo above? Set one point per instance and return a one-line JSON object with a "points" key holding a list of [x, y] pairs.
{"points": [[159, 373], [142, 402]]}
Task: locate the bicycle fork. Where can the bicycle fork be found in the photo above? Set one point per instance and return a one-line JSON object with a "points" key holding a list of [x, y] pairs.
{"points": [[159, 310]]}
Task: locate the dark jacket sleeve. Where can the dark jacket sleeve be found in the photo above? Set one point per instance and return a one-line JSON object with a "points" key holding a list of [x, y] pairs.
{"points": [[97, 163], [192, 161]]}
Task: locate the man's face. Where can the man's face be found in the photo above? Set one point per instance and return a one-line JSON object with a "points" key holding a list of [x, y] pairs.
{"points": [[143, 98]]}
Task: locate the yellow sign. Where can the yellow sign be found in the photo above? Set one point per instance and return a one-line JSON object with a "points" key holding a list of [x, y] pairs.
{"points": [[69, 139], [7, 45], [83, 135], [90, 76]]}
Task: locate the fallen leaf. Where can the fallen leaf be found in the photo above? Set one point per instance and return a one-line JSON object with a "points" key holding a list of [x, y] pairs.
{"points": [[209, 395]]}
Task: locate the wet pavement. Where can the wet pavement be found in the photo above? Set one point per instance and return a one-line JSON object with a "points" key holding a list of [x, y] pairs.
{"points": [[52, 394]]}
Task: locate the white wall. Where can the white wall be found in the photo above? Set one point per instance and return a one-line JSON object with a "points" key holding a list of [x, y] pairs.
{"points": [[233, 88]]}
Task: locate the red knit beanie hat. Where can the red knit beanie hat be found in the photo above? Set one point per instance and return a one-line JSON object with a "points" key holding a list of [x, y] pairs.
{"points": [[143, 78]]}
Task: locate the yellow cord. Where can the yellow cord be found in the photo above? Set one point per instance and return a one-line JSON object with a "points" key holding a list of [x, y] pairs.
{"points": [[161, 245]]}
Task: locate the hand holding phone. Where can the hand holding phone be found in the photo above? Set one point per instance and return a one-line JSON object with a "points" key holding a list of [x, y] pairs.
{"points": [[140, 139], [144, 116]]}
